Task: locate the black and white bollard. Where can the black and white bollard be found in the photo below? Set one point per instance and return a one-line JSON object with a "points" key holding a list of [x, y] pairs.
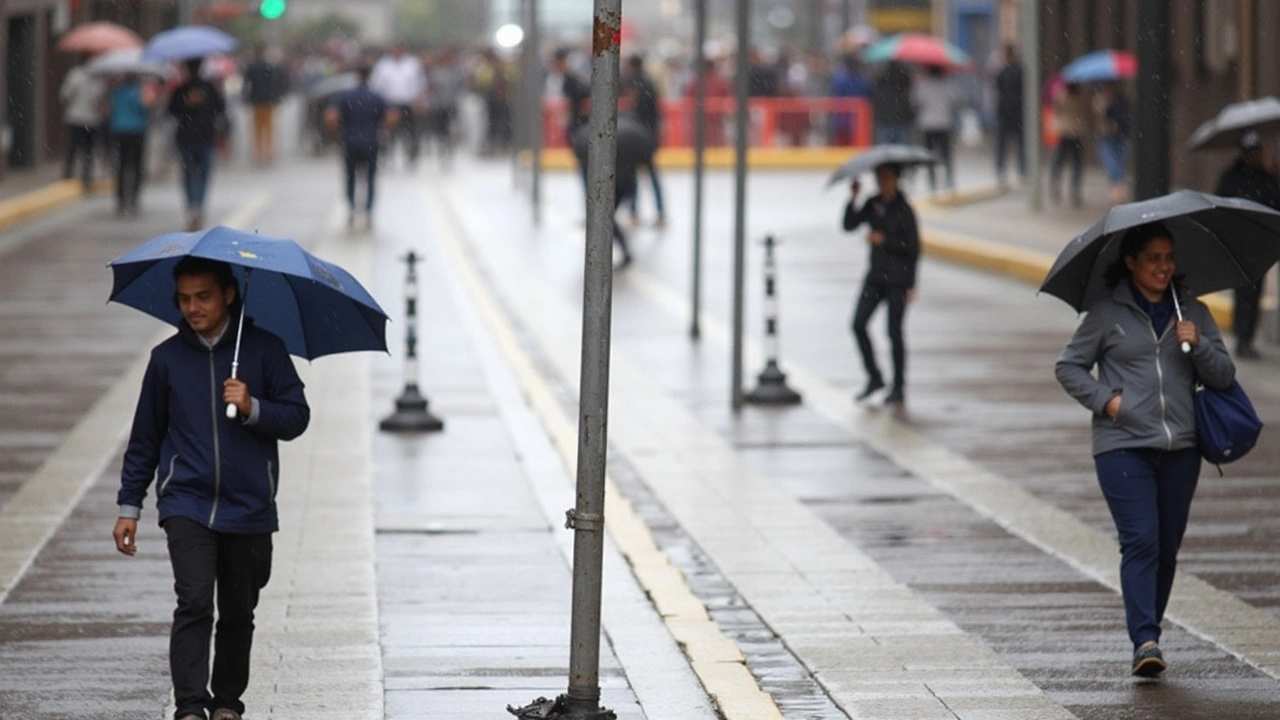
{"points": [[771, 387], [411, 413]]}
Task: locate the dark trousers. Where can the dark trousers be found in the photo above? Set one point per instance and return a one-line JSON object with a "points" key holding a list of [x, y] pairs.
{"points": [[625, 193], [197, 164], [355, 158], [129, 147], [80, 141], [1073, 148], [237, 567], [1244, 321], [409, 124], [1149, 493], [939, 143], [896, 297], [657, 192], [1010, 133]]}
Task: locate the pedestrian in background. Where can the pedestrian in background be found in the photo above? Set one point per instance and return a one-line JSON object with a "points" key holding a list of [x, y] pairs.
{"points": [[265, 85], [1009, 118], [1251, 176], [848, 81], [200, 113], [357, 119], [641, 96], [1144, 428], [1071, 122], [215, 496], [83, 110], [716, 90], [937, 97], [445, 84], [399, 78], [494, 79], [894, 241], [894, 112], [128, 113], [1114, 120]]}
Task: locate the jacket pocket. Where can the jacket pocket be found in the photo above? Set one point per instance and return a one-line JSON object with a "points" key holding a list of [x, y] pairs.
{"points": [[164, 484], [271, 480]]}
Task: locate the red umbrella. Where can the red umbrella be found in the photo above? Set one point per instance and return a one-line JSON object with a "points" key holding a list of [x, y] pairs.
{"points": [[918, 48], [99, 37]]}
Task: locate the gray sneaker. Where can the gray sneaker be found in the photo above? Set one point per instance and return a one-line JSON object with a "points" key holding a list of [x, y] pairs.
{"points": [[1148, 661]]}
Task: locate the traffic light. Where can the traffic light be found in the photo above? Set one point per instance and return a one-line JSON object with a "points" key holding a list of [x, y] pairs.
{"points": [[272, 9]]}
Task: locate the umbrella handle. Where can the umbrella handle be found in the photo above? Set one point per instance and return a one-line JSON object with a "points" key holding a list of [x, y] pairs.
{"points": [[235, 358], [231, 411], [1177, 306]]}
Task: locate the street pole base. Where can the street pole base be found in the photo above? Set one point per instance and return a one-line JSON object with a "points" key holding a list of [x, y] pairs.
{"points": [[772, 388], [559, 709], [411, 414]]}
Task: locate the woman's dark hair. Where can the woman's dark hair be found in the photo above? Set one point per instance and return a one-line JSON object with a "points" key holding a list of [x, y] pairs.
{"points": [[895, 168], [1132, 244]]}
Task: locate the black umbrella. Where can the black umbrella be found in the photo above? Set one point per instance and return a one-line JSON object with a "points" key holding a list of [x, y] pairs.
{"points": [[1219, 243], [1233, 121], [636, 145], [874, 157]]}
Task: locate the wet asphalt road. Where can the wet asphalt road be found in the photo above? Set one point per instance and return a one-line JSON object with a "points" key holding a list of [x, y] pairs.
{"points": [[78, 632]]}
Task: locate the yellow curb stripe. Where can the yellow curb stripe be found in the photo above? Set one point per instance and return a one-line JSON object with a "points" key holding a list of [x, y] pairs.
{"points": [[28, 206], [1030, 266], [714, 658]]}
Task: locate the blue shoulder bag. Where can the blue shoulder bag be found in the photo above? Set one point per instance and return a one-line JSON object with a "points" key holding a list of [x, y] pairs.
{"points": [[1226, 425]]}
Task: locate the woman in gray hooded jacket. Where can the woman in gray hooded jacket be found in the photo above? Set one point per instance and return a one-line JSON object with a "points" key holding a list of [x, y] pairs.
{"points": [[1144, 432]]}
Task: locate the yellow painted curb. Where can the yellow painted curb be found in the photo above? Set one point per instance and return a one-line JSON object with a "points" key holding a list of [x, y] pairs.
{"points": [[957, 198], [717, 158], [31, 205], [1027, 265]]}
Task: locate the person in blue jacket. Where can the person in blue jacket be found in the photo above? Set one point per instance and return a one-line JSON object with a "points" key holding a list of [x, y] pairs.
{"points": [[216, 479]]}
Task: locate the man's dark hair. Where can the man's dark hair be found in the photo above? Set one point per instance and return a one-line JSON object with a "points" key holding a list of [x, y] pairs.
{"points": [[561, 55], [193, 66], [635, 62], [363, 72], [220, 271], [895, 168]]}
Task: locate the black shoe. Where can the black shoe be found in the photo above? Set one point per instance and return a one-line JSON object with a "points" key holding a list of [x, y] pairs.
{"points": [[873, 386], [895, 397], [1247, 352], [624, 263], [1148, 661]]}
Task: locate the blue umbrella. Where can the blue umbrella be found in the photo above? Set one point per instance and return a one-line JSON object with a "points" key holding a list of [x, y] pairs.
{"points": [[316, 307], [1101, 66], [187, 42]]}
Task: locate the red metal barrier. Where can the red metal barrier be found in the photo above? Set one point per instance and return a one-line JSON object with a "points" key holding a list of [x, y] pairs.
{"points": [[775, 122]]}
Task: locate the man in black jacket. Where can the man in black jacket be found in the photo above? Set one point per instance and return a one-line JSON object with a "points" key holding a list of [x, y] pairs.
{"points": [[1249, 177], [200, 111], [1009, 119], [891, 274]]}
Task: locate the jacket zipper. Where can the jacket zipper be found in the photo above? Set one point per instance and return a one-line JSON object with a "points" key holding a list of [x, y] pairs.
{"points": [[1168, 434], [173, 461], [217, 450]]}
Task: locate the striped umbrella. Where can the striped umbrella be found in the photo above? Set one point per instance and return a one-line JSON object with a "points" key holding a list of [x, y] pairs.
{"points": [[920, 49], [1101, 66]]}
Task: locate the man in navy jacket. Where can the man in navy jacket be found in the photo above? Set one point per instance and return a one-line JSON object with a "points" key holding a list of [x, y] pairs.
{"points": [[217, 479]]}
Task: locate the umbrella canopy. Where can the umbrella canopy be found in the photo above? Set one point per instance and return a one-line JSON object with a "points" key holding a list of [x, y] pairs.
{"points": [[1101, 66], [1219, 243], [187, 42], [99, 37], [316, 307], [123, 62], [332, 85], [1233, 121], [873, 157], [918, 48]]}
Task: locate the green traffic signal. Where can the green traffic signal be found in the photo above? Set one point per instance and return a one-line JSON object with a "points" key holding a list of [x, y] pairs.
{"points": [[272, 9]]}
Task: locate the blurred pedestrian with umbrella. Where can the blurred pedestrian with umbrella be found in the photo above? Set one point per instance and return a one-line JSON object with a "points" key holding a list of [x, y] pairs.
{"points": [[894, 241], [1252, 176], [265, 85], [359, 119], [1144, 427], [129, 111], [1228, 127], [94, 38], [217, 473], [200, 111], [894, 112], [1071, 123], [83, 96], [640, 95]]}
